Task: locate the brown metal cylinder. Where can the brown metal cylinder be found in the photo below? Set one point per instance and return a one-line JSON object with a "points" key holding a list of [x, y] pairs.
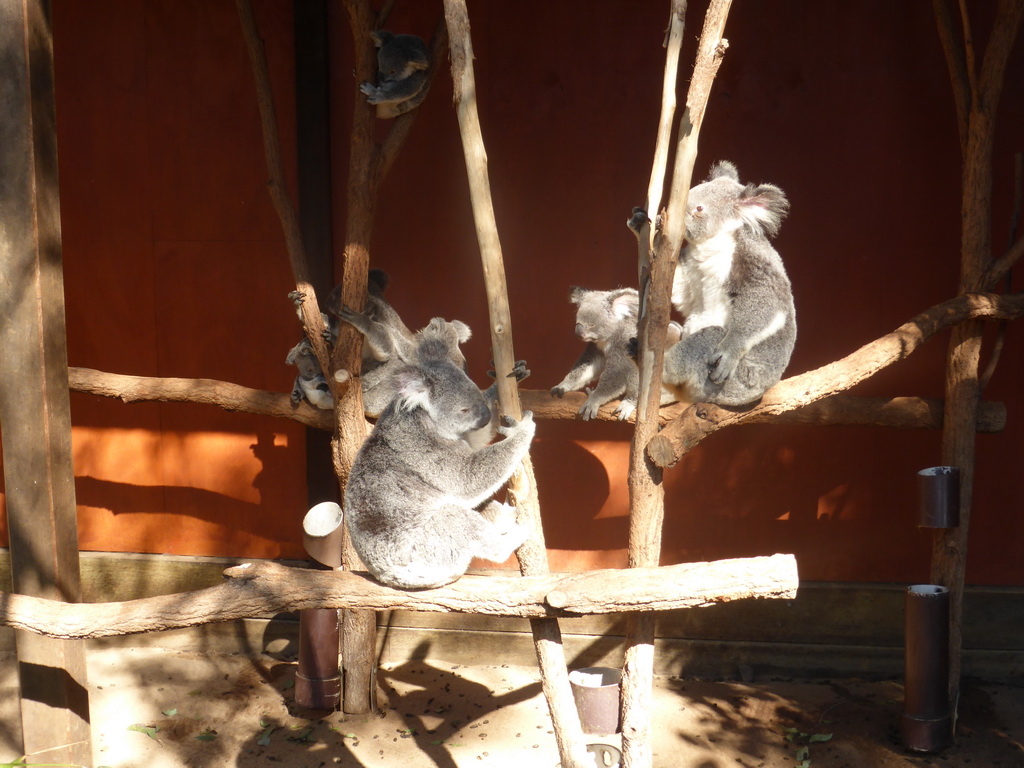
{"points": [[939, 494], [318, 679], [926, 725]]}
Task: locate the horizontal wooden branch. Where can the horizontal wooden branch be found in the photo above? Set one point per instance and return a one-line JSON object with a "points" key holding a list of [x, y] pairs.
{"points": [[700, 420], [838, 410], [223, 394], [265, 588]]}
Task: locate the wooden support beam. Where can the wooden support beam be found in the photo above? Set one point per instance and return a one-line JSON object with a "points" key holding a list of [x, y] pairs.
{"points": [[522, 487], [35, 419], [646, 489], [265, 588]]}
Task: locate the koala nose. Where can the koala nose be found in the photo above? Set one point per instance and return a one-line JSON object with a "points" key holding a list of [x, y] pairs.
{"points": [[484, 416], [579, 330]]}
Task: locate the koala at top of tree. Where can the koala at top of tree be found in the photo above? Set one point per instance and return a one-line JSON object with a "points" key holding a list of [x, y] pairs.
{"points": [[730, 284], [606, 321], [402, 61], [415, 485]]}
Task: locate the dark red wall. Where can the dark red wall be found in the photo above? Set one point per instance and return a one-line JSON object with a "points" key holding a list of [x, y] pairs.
{"points": [[175, 265]]}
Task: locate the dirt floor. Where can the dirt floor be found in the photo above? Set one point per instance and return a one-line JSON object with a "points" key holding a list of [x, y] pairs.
{"points": [[157, 709]]}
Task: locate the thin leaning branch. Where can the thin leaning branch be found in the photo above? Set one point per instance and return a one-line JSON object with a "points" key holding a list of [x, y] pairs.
{"points": [[700, 420], [266, 588], [312, 320]]}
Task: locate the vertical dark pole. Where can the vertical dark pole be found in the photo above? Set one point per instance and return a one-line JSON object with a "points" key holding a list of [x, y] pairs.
{"points": [[35, 415], [926, 725], [319, 668]]}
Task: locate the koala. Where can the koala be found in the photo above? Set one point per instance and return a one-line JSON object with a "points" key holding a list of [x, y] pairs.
{"points": [[402, 61], [416, 483], [310, 383], [387, 341], [606, 321], [730, 284]]}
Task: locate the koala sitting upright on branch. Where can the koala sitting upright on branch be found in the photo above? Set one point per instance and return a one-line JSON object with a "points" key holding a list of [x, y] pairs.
{"points": [[733, 290], [411, 498]]}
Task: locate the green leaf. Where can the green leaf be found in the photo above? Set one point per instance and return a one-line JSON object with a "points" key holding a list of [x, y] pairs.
{"points": [[169, 712], [264, 739], [803, 753], [820, 737], [804, 764], [149, 730], [208, 735]]}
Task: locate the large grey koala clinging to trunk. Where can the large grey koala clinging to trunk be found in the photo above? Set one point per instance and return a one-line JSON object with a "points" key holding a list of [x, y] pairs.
{"points": [[411, 498], [730, 284]]}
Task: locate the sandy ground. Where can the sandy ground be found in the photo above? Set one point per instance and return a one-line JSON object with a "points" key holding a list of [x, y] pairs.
{"points": [[153, 708]]}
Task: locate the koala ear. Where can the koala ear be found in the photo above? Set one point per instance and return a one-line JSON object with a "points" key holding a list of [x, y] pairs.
{"points": [[462, 331], [625, 304], [763, 206], [723, 169], [412, 389], [576, 294]]}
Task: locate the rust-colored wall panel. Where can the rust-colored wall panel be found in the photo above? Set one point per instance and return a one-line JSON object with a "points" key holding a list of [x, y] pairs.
{"points": [[846, 106]]}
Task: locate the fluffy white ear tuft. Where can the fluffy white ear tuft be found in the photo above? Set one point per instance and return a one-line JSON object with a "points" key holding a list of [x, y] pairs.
{"points": [[462, 331], [625, 305], [763, 207], [413, 391]]}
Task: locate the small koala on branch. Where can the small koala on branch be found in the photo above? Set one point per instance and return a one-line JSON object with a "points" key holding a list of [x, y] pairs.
{"points": [[606, 321], [413, 492], [402, 61], [731, 286]]}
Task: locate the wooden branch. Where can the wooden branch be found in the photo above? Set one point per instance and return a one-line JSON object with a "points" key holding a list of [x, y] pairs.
{"points": [[522, 487], [312, 320], [266, 588], [222, 394], [646, 488], [1002, 266], [838, 410], [956, 61], [700, 420]]}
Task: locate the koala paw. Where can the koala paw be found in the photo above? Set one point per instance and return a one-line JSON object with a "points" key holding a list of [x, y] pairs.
{"points": [[297, 297], [558, 391], [510, 425], [372, 93], [520, 371], [722, 365], [590, 409], [625, 409]]}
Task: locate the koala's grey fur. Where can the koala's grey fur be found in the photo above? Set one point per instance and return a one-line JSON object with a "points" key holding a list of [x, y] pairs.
{"points": [[310, 383], [411, 498], [732, 288], [606, 321], [401, 76]]}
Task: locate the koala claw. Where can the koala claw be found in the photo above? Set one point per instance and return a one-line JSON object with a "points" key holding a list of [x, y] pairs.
{"points": [[721, 366], [297, 297], [625, 409], [558, 392], [589, 411]]}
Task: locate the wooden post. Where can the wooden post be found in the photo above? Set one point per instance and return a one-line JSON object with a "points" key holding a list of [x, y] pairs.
{"points": [[522, 489], [976, 91], [646, 491], [35, 418]]}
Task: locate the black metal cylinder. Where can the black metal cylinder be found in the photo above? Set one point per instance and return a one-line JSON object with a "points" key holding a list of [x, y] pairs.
{"points": [[939, 492], [926, 725]]}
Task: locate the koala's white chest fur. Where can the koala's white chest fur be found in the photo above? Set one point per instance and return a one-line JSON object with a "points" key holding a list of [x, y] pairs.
{"points": [[699, 287]]}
